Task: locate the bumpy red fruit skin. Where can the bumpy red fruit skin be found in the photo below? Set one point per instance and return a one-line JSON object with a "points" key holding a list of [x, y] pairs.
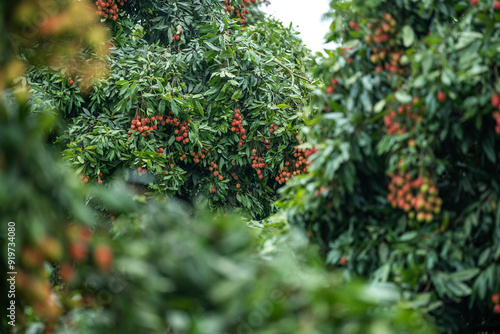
{"points": [[329, 90], [496, 309], [474, 2], [495, 298], [71, 82], [213, 190], [496, 5], [343, 260]]}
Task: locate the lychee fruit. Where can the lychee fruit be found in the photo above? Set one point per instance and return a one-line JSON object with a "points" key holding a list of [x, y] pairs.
{"points": [[441, 96]]}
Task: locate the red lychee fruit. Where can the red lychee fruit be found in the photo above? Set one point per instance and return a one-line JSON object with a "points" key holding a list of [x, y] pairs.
{"points": [[495, 100], [78, 251], [103, 257], [441, 96]]}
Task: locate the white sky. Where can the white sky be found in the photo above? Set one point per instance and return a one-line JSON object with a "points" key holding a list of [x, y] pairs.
{"points": [[306, 17]]}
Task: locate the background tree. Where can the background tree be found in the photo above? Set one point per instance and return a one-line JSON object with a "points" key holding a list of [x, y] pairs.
{"points": [[405, 187]]}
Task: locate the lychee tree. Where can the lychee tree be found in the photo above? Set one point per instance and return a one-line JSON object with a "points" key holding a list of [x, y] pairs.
{"points": [[157, 269], [405, 186], [193, 103]]}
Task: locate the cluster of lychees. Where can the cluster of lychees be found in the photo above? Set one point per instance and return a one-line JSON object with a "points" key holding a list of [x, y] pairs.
{"points": [[298, 165], [346, 52], [273, 128], [409, 114], [143, 125], [108, 8], [382, 38], [496, 4], [257, 163], [197, 156], [146, 125], [236, 178], [331, 89], [239, 10], [495, 299], [182, 129], [159, 150], [141, 171], [31, 280], [79, 246], [169, 167], [85, 179], [214, 167], [267, 142], [237, 127], [417, 196], [495, 102]]}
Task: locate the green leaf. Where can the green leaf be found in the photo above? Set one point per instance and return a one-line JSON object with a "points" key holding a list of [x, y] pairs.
{"points": [[379, 106], [408, 36], [464, 275], [211, 46], [236, 95], [174, 107], [466, 38], [200, 108], [484, 257], [383, 252], [283, 106], [489, 150], [408, 236], [403, 97]]}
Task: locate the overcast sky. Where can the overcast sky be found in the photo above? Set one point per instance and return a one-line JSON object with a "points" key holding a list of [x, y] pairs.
{"points": [[306, 17]]}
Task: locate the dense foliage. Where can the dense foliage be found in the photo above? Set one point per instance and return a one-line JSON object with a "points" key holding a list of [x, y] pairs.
{"points": [[213, 113], [164, 270], [405, 187], [154, 268]]}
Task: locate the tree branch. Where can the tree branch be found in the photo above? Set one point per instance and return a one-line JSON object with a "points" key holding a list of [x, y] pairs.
{"points": [[286, 68]]}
